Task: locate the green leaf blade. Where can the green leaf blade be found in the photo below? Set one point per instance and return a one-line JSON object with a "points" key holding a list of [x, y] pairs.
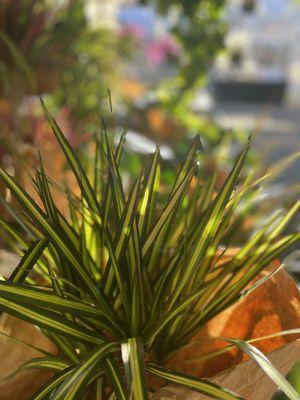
{"points": [[75, 385], [266, 366], [196, 384]]}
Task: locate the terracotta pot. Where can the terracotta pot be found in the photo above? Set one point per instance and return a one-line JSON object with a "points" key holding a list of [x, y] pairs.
{"points": [[22, 385], [272, 307], [247, 378]]}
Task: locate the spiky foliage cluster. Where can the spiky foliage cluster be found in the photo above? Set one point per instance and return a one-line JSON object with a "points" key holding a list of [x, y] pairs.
{"points": [[123, 282]]}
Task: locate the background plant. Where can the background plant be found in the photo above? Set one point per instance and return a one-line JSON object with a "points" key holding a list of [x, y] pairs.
{"points": [[199, 28], [50, 48], [122, 284]]}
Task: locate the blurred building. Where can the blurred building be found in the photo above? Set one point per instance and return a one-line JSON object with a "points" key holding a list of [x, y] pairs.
{"points": [[104, 12], [261, 49]]}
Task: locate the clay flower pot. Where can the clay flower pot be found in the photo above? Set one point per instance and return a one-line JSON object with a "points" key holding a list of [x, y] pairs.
{"points": [[246, 378], [271, 308], [23, 384]]}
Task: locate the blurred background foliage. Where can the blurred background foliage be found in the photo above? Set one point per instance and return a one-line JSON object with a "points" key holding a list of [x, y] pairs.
{"points": [[200, 29], [147, 64], [148, 61], [49, 48]]}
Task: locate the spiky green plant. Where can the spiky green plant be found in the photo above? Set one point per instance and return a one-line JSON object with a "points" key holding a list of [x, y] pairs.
{"points": [[122, 284]]}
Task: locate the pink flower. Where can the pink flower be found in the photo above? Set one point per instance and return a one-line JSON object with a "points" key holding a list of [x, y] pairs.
{"points": [[160, 50]]}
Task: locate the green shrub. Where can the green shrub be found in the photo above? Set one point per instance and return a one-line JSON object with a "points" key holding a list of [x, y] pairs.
{"points": [[122, 283]]}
